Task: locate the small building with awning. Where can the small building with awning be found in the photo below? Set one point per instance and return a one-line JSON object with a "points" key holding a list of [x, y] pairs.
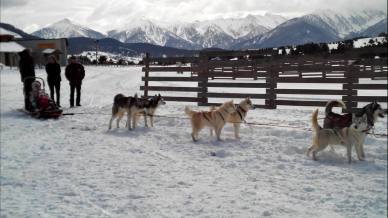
{"points": [[42, 48], [9, 53]]}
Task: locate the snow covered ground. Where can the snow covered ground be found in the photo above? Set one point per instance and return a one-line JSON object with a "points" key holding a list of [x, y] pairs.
{"points": [[74, 167]]}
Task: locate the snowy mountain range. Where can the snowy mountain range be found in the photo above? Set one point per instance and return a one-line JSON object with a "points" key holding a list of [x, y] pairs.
{"points": [[67, 29], [322, 26], [252, 31], [145, 31], [200, 34]]}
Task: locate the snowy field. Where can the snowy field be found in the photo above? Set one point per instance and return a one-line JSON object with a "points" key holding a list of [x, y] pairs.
{"points": [[74, 167]]}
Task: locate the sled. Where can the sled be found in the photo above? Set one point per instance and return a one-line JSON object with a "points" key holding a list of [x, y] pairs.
{"points": [[42, 105]]}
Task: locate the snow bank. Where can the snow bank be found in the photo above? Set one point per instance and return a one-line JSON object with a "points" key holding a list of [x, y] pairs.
{"points": [[74, 167]]}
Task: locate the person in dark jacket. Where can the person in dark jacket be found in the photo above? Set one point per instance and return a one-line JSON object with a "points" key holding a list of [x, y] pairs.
{"points": [[27, 73], [53, 70], [75, 73]]}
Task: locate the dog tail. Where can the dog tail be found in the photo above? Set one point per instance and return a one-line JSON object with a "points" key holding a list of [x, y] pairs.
{"points": [[188, 111], [314, 121], [115, 107], [334, 103], [117, 97]]}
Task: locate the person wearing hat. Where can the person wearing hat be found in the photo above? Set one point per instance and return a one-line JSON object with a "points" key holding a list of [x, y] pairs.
{"points": [[27, 73], [75, 73]]}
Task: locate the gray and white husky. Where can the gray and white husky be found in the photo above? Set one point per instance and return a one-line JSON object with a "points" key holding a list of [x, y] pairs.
{"points": [[150, 105], [134, 107], [354, 135]]}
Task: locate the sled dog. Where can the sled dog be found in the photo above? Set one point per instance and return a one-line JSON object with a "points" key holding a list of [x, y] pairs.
{"points": [[238, 116], [354, 135], [215, 119], [121, 105], [134, 107], [334, 120], [150, 104]]}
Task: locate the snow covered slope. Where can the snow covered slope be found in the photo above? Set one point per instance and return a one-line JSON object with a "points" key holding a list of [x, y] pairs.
{"points": [[221, 33], [346, 22], [8, 32], [66, 28], [17, 33], [296, 31], [145, 31], [375, 30], [240, 27], [74, 167], [321, 26]]}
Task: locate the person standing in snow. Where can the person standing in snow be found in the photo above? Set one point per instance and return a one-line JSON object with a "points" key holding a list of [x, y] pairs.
{"points": [[75, 73], [53, 70], [27, 73]]}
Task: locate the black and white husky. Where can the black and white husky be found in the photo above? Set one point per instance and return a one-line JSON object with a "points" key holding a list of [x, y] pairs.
{"points": [[334, 120], [150, 105], [134, 107]]}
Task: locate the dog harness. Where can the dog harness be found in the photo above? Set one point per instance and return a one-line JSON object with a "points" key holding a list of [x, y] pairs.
{"points": [[238, 112], [207, 118], [222, 115], [340, 121]]}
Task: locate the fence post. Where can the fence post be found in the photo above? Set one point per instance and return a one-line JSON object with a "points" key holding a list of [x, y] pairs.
{"points": [[271, 79], [146, 61], [203, 76], [254, 70], [350, 80]]}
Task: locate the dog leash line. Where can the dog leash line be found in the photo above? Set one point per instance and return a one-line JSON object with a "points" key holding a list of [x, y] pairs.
{"points": [[244, 122]]}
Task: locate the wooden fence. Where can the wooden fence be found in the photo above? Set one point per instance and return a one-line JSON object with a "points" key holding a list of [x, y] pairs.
{"points": [[265, 75]]}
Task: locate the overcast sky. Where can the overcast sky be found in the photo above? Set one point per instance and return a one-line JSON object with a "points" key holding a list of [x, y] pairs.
{"points": [[103, 15]]}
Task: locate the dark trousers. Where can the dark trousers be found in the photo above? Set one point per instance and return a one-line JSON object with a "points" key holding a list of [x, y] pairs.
{"points": [[73, 87], [57, 87], [27, 89]]}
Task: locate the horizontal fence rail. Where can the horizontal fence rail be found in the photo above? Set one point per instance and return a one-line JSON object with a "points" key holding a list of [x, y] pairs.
{"points": [[219, 75]]}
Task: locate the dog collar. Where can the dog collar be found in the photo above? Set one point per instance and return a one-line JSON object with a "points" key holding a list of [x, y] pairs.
{"points": [[367, 129]]}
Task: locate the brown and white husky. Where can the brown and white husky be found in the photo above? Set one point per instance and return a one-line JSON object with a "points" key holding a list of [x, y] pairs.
{"points": [[215, 119], [238, 116]]}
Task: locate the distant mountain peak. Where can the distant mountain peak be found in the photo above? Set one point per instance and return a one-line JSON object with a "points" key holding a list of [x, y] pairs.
{"points": [[66, 28], [347, 21], [65, 20]]}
